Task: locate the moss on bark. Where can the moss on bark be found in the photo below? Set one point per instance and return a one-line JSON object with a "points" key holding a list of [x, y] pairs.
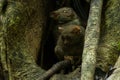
{"points": [[21, 26]]}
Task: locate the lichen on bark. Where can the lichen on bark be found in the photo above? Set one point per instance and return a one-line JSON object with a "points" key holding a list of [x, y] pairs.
{"points": [[110, 31], [17, 25]]}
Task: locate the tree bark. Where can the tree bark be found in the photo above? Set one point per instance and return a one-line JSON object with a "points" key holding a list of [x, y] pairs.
{"points": [[20, 37], [116, 73], [108, 49], [91, 40]]}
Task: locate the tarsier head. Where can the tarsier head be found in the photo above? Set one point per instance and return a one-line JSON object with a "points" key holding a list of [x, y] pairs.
{"points": [[71, 35], [63, 15]]}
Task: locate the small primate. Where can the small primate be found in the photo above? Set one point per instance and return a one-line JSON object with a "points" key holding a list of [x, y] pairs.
{"points": [[68, 49], [81, 7], [70, 43], [64, 16]]}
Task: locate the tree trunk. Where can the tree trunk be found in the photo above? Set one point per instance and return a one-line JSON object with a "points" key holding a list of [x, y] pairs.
{"points": [[108, 50], [91, 40], [22, 22], [116, 73]]}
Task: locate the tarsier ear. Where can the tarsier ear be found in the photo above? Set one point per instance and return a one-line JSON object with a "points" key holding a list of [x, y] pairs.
{"points": [[76, 30], [60, 29]]}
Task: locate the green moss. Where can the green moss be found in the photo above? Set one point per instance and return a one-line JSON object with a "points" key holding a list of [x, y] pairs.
{"points": [[118, 46], [109, 46]]}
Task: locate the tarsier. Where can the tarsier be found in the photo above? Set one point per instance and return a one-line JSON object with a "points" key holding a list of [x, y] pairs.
{"points": [[70, 43], [64, 15], [69, 33]]}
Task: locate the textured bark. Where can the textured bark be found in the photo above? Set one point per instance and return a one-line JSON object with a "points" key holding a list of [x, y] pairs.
{"points": [[108, 50], [114, 18], [110, 39], [56, 67], [2, 5], [20, 36], [116, 73], [91, 40], [75, 75]]}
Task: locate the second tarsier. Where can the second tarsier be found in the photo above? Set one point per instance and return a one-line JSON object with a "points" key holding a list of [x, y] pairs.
{"points": [[70, 43]]}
